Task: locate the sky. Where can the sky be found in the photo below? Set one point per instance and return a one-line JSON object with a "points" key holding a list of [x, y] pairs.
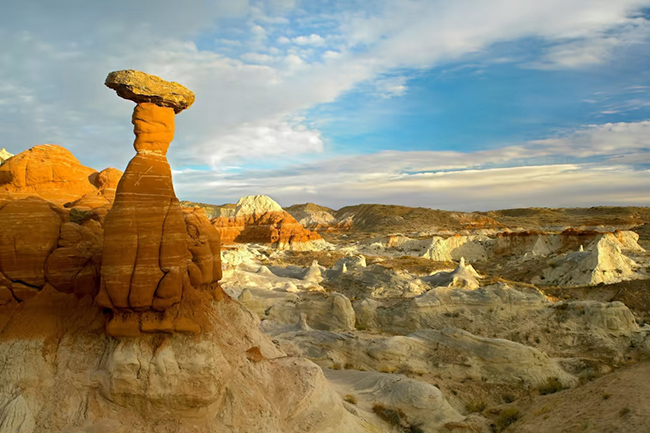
{"points": [[458, 105]]}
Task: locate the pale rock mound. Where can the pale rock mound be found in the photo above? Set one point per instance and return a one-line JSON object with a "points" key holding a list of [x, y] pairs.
{"points": [[451, 351], [232, 378], [4, 155], [256, 205], [313, 216], [602, 262], [464, 276], [422, 404]]}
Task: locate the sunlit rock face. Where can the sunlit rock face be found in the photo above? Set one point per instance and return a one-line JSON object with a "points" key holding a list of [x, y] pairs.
{"points": [[147, 259], [53, 173], [259, 219]]}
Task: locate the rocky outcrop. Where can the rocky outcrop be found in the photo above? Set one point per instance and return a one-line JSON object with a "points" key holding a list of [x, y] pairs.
{"points": [[464, 276], [149, 264], [259, 219], [4, 155], [51, 172], [602, 262], [56, 360], [144, 88], [205, 247], [29, 233], [313, 216]]}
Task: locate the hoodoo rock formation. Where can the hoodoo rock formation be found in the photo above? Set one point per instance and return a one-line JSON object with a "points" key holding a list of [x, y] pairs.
{"points": [[146, 254]]}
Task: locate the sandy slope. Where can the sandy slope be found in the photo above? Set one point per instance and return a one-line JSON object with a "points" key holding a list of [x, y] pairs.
{"points": [[617, 402]]}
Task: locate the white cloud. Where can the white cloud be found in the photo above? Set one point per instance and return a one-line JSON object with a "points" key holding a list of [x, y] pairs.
{"points": [[257, 58], [391, 86], [594, 49], [595, 165], [258, 31], [269, 138], [312, 39]]}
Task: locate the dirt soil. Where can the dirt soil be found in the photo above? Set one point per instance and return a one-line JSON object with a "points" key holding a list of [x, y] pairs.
{"points": [[387, 219], [536, 218], [615, 403]]}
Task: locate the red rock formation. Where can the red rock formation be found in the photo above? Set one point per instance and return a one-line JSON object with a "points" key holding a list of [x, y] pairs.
{"points": [[145, 251], [74, 266], [270, 227], [29, 232], [154, 256], [205, 247], [259, 219], [54, 174]]}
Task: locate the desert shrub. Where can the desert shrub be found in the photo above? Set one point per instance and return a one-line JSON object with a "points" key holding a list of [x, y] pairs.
{"points": [[508, 398], [507, 417], [396, 417], [551, 386], [605, 395], [475, 406], [351, 399], [624, 411]]}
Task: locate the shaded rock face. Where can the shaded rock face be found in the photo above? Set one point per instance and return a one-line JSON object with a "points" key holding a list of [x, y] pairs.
{"points": [[50, 172], [39, 247], [205, 247], [29, 232]]}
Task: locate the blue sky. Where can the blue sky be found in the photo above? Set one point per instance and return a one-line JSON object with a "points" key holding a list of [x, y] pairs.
{"points": [[466, 105]]}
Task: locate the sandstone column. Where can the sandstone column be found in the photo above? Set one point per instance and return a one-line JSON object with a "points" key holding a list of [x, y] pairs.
{"points": [[145, 254]]}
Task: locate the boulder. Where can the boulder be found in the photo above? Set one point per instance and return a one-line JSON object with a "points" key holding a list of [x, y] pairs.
{"points": [[140, 87]]}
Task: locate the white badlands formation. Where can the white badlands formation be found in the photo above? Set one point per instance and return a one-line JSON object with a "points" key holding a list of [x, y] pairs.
{"points": [[255, 205]]}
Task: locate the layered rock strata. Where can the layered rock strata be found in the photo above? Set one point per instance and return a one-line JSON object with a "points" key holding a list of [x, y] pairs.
{"points": [[147, 264], [259, 219]]}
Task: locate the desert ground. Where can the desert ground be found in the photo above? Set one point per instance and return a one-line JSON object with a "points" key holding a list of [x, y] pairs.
{"points": [[515, 320]]}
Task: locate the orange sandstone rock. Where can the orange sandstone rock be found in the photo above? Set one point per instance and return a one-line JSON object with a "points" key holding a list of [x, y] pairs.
{"points": [[154, 256], [145, 252], [47, 171], [274, 227], [29, 232], [74, 266], [54, 174], [205, 246]]}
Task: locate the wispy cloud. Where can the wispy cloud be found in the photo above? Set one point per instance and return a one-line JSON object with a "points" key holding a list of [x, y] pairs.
{"points": [[596, 165]]}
